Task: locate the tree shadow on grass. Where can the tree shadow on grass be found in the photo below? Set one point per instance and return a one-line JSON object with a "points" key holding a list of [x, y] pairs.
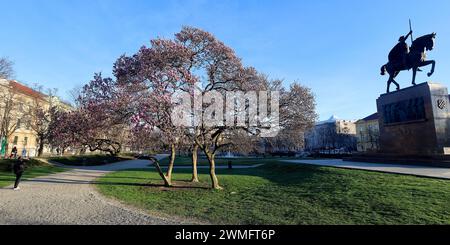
{"points": [[177, 185], [79, 182], [278, 173], [51, 180], [149, 183]]}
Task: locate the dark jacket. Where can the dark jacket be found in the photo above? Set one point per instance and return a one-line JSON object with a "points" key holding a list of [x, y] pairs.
{"points": [[398, 53], [19, 166]]}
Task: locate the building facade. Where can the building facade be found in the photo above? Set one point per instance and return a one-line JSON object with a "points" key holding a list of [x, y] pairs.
{"points": [[333, 136], [16, 103], [368, 134]]}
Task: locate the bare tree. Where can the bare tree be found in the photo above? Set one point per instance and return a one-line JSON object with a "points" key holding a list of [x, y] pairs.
{"points": [[41, 113], [8, 124], [287, 140], [369, 140], [373, 138], [74, 95], [13, 111], [6, 68]]}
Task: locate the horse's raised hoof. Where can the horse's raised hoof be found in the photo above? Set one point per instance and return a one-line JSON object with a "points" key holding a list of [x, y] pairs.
{"points": [[429, 74]]}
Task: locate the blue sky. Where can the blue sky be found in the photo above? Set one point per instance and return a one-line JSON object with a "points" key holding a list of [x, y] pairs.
{"points": [[334, 47]]}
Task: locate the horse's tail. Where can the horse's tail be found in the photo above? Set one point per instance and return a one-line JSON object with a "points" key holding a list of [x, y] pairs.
{"points": [[383, 70]]}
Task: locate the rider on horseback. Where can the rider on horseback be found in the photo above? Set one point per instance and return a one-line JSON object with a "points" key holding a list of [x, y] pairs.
{"points": [[399, 54], [402, 58]]}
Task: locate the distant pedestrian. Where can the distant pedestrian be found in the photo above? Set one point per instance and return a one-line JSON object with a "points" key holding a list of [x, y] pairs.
{"points": [[13, 152], [24, 153], [19, 168], [230, 165]]}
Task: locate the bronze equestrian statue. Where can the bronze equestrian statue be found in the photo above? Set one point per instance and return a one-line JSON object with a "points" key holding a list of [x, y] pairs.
{"points": [[402, 57]]}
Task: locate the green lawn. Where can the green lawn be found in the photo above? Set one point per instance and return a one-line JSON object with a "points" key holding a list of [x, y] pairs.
{"points": [[89, 160], [202, 161], [289, 194], [34, 169]]}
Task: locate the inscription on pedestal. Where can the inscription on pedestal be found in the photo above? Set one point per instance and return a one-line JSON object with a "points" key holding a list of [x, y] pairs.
{"points": [[404, 111]]}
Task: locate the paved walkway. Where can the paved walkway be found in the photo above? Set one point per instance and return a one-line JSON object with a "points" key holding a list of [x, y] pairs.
{"points": [[70, 198], [422, 171]]}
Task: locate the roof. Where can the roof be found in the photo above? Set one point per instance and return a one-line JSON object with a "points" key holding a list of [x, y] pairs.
{"points": [[371, 117], [332, 119], [26, 90]]}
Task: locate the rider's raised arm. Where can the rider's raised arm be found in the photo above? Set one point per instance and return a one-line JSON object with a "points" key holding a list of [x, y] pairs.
{"points": [[409, 34]]}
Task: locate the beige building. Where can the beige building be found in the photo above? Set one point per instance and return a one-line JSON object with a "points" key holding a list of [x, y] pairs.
{"points": [[16, 102], [368, 134]]}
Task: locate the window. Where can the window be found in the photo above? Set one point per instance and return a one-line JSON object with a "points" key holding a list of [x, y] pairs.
{"points": [[25, 141], [18, 123], [16, 139]]}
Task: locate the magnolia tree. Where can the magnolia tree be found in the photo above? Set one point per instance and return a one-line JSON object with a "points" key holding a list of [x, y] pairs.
{"points": [[194, 90], [157, 74], [100, 121], [221, 72], [103, 108], [151, 78], [63, 130]]}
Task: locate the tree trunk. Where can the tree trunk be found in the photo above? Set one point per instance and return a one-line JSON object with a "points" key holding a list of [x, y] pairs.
{"points": [[194, 164], [6, 150], [171, 163], [41, 147], [167, 182], [212, 171]]}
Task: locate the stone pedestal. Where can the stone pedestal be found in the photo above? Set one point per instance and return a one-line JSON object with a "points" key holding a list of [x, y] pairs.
{"points": [[415, 121]]}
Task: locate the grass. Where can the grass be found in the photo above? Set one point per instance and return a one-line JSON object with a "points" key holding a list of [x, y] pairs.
{"points": [[88, 160], [203, 161], [288, 194], [34, 169]]}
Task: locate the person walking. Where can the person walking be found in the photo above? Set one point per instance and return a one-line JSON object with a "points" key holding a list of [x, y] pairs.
{"points": [[19, 168]]}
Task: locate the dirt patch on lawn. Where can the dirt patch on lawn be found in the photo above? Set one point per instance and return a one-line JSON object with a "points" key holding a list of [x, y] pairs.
{"points": [[178, 186]]}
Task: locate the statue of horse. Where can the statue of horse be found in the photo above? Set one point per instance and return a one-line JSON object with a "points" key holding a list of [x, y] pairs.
{"points": [[415, 58]]}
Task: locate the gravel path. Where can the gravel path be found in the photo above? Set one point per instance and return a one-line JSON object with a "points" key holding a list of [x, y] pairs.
{"points": [[70, 198]]}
